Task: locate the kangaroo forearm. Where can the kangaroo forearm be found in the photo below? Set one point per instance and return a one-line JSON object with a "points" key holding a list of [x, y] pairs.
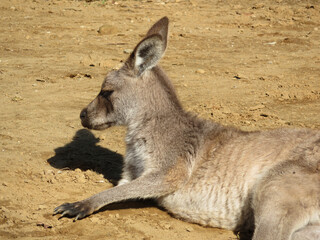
{"points": [[147, 186], [142, 188]]}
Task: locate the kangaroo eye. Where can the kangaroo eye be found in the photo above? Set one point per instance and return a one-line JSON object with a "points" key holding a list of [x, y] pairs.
{"points": [[106, 94]]}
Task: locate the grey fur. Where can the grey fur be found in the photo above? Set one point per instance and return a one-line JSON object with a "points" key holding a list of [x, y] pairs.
{"points": [[199, 170]]}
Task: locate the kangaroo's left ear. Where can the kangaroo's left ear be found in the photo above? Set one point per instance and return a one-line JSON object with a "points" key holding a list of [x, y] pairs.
{"points": [[149, 51], [161, 27]]}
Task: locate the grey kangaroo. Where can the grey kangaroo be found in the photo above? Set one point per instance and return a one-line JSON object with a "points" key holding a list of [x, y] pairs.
{"points": [[199, 170]]}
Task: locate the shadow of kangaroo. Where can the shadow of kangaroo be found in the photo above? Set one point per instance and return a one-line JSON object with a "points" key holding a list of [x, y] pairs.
{"points": [[84, 153], [198, 170]]}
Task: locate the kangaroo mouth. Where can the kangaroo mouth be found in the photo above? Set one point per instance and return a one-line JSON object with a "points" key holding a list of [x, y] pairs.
{"points": [[98, 126], [104, 126]]}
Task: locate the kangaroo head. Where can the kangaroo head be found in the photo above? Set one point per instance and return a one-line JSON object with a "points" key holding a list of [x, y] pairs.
{"points": [[134, 88]]}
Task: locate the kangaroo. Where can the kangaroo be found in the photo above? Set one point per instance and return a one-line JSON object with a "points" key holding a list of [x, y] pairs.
{"points": [[199, 170]]}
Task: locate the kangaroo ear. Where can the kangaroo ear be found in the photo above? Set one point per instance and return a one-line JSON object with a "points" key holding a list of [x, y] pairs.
{"points": [[161, 28], [147, 54], [149, 51]]}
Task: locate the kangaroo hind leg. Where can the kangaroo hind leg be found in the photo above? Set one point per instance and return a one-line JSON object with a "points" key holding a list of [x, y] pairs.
{"points": [[285, 203], [310, 232]]}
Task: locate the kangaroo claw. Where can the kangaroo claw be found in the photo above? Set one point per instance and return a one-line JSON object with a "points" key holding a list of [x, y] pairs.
{"points": [[78, 210]]}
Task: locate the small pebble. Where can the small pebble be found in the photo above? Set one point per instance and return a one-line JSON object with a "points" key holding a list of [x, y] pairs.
{"points": [[167, 226], [102, 137], [107, 30], [201, 71], [81, 179], [40, 207], [260, 106], [189, 229], [17, 98], [94, 219], [44, 225], [127, 51]]}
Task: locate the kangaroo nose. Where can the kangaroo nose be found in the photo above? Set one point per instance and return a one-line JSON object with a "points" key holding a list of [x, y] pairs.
{"points": [[83, 114]]}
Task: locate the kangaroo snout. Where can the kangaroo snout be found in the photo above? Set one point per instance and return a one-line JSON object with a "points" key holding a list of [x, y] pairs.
{"points": [[98, 114], [84, 118], [83, 114]]}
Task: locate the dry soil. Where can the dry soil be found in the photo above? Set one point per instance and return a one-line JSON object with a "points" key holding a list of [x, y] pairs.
{"points": [[250, 64]]}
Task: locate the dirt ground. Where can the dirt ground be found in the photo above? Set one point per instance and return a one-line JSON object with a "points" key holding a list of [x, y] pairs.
{"points": [[251, 64]]}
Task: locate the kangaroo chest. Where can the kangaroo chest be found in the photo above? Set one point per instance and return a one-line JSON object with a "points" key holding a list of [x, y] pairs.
{"points": [[136, 158]]}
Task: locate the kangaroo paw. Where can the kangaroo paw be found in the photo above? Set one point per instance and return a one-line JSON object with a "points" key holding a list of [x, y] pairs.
{"points": [[78, 210]]}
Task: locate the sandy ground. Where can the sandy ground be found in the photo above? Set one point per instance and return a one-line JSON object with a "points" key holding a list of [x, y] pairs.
{"points": [[251, 64]]}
